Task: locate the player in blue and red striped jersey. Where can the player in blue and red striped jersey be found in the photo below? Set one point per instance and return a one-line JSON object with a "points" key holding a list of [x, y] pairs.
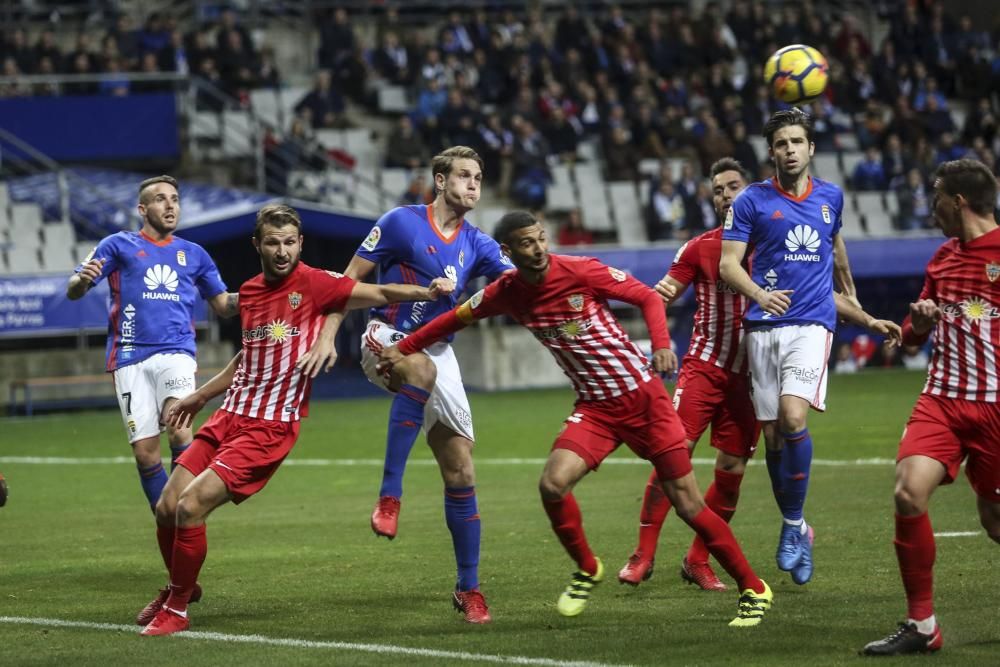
{"points": [[415, 244], [155, 278], [957, 416], [242, 445], [793, 223], [563, 302]]}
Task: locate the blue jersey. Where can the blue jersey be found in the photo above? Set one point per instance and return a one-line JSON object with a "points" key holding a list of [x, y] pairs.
{"points": [[153, 290], [408, 248], [792, 241]]}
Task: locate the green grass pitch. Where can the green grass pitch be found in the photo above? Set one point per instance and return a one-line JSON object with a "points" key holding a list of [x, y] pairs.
{"points": [[299, 562]]}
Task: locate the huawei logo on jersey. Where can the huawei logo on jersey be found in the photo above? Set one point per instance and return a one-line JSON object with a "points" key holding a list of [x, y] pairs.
{"points": [[802, 238], [159, 276]]}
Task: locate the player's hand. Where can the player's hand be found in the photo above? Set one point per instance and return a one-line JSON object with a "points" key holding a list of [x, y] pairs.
{"points": [[892, 331], [182, 412], [665, 361], [440, 287], [776, 302], [320, 357], [91, 270], [390, 356], [924, 314], [666, 290]]}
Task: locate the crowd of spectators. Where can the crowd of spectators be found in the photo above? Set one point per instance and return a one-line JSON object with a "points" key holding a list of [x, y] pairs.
{"points": [[528, 89]]}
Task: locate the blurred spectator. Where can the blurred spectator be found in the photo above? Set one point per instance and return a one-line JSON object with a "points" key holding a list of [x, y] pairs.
{"points": [[947, 149], [149, 65], [392, 61], [914, 358], [572, 232], [457, 35], [895, 160], [914, 205], [154, 34], [621, 159], [714, 143], [701, 215], [863, 348], [46, 67], [743, 150], [238, 65], [297, 150], [10, 69], [324, 105], [417, 192], [46, 47], [667, 215], [869, 173], [405, 147], [496, 147], [845, 362], [531, 172], [562, 136], [228, 23], [205, 100], [81, 65], [17, 49], [336, 40], [113, 81], [127, 40], [431, 101]]}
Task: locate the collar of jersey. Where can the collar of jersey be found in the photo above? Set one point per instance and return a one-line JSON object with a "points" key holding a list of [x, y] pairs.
{"points": [[430, 221], [167, 241], [789, 195]]}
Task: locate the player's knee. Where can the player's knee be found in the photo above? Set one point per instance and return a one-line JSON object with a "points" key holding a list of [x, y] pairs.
{"points": [[792, 422], [909, 502], [166, 510], [989, 517], [179, 436], [552, 488], [188, 510]]}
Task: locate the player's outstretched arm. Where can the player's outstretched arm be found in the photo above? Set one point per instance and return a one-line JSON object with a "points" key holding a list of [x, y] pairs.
{"points": [[365, 295], [225, 304], [775, 302], [849, 310], [842, 277], [183, 411], [918, 325], [80, 282]]}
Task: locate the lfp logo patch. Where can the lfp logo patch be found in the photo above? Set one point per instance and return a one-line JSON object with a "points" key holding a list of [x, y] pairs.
{"points": [[374, 236]]}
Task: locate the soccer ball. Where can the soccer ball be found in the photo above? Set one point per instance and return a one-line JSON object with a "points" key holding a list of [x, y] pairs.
{"points": [[796, 73]]}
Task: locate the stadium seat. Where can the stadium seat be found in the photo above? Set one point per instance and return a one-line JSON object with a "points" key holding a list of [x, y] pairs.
{"points": [[594, 208], [847, 141], [848, 161], [23, 260], [392, 99], [827, 167], [83, 248], [879, 223], [759, 144], [561, 174], [588, 150], [58, 258], [59, 235], [331, 138], [649, 166], [238, 138], [394, 182], [205, 125], [867, 203], [560, 196], [628, 214], [852, 226], [4, 197], [266, 105]]}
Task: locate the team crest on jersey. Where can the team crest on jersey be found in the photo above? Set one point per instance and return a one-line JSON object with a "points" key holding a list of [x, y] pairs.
{"points": [[993, 271], [182, 258], [728, 224], [374, 236], [461, 258], [294, 300], [827, 218], [576, 302], [476, 299], [617, 274], [335, 274]]}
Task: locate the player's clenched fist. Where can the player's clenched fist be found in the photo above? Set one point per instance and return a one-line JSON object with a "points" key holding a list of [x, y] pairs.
{"points": [[441, 287], [91, 270]]}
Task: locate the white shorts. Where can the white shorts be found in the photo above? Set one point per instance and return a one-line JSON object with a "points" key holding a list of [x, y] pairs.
{"points": [[144, 387], [448, 403], [787, 361]]}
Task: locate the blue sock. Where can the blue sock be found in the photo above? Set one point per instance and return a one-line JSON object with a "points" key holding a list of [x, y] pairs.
{"points": [[153, 479], [406, 416], [773, 458], [175, 452], [462, 516], [795, 465]]}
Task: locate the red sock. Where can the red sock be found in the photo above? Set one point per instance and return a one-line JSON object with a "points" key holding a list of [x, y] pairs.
{"points": [[722, 544], [165, 538], [567, 522], [190, 549], [721, 497], [915, 550], [655, 507]]}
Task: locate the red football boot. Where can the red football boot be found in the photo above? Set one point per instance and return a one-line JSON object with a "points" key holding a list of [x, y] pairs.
{"points": [[166, 622], [637, 570], [148, 612], [701, 575], [385, 516], [473, 605]]}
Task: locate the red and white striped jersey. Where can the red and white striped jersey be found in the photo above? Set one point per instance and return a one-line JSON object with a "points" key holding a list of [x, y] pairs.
{"points": [[280, 323], [718, 319], [962, 279], [569, 314]]}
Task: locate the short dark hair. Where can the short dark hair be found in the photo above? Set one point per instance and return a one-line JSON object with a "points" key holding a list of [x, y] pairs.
{"points": [[510, 223], [170, 180], [276, 215], [728, 164], [973, 180], [784, 118], [442, 162]]}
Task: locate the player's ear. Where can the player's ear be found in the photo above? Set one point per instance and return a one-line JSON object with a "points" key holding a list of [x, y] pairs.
{"points": [[812, 148]]}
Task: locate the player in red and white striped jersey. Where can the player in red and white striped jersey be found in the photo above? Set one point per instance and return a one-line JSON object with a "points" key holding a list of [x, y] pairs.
{"points": [[957, 416], [563, 301], [242, 445], [713, 388]]}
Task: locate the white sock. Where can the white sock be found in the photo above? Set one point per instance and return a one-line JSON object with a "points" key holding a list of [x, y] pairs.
{"points": [[795, 522], [926, 626]]}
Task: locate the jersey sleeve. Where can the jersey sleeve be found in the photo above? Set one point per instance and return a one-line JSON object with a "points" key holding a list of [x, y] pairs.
{"points": [[108, 250], [928, 291], [685, 265], [490, 262], [490, 301], [611, 283], [838, 221], [739, 221], [330, 289], [208, 281], [386, 239]]}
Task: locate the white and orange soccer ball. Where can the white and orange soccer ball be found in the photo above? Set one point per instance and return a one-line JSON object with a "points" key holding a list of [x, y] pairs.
{"points": [[796, 74]]}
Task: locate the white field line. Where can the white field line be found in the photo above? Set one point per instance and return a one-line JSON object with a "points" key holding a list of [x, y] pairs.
{"points": [[382, 649], [958, 533], [117, 460]]}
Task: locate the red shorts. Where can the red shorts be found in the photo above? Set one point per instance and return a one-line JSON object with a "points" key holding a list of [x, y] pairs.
{"points": [[951, 430], [243, 452], [644, 419], [706, 394]]}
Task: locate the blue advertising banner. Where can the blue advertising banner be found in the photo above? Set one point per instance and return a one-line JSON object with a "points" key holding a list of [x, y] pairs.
{"points": [[37, 305], [95, 127]]}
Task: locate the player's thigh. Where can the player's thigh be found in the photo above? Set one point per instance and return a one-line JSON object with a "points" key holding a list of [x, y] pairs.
{"points": [[200, 497], [173, 376], [563, 469], [699, 392], [982, 465], [448, 403], [453, 453], [378, 336], [136, 394], [648, 424], [765, 376], [735, 429], [588, 433], [804, 352], [250, 453]]}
